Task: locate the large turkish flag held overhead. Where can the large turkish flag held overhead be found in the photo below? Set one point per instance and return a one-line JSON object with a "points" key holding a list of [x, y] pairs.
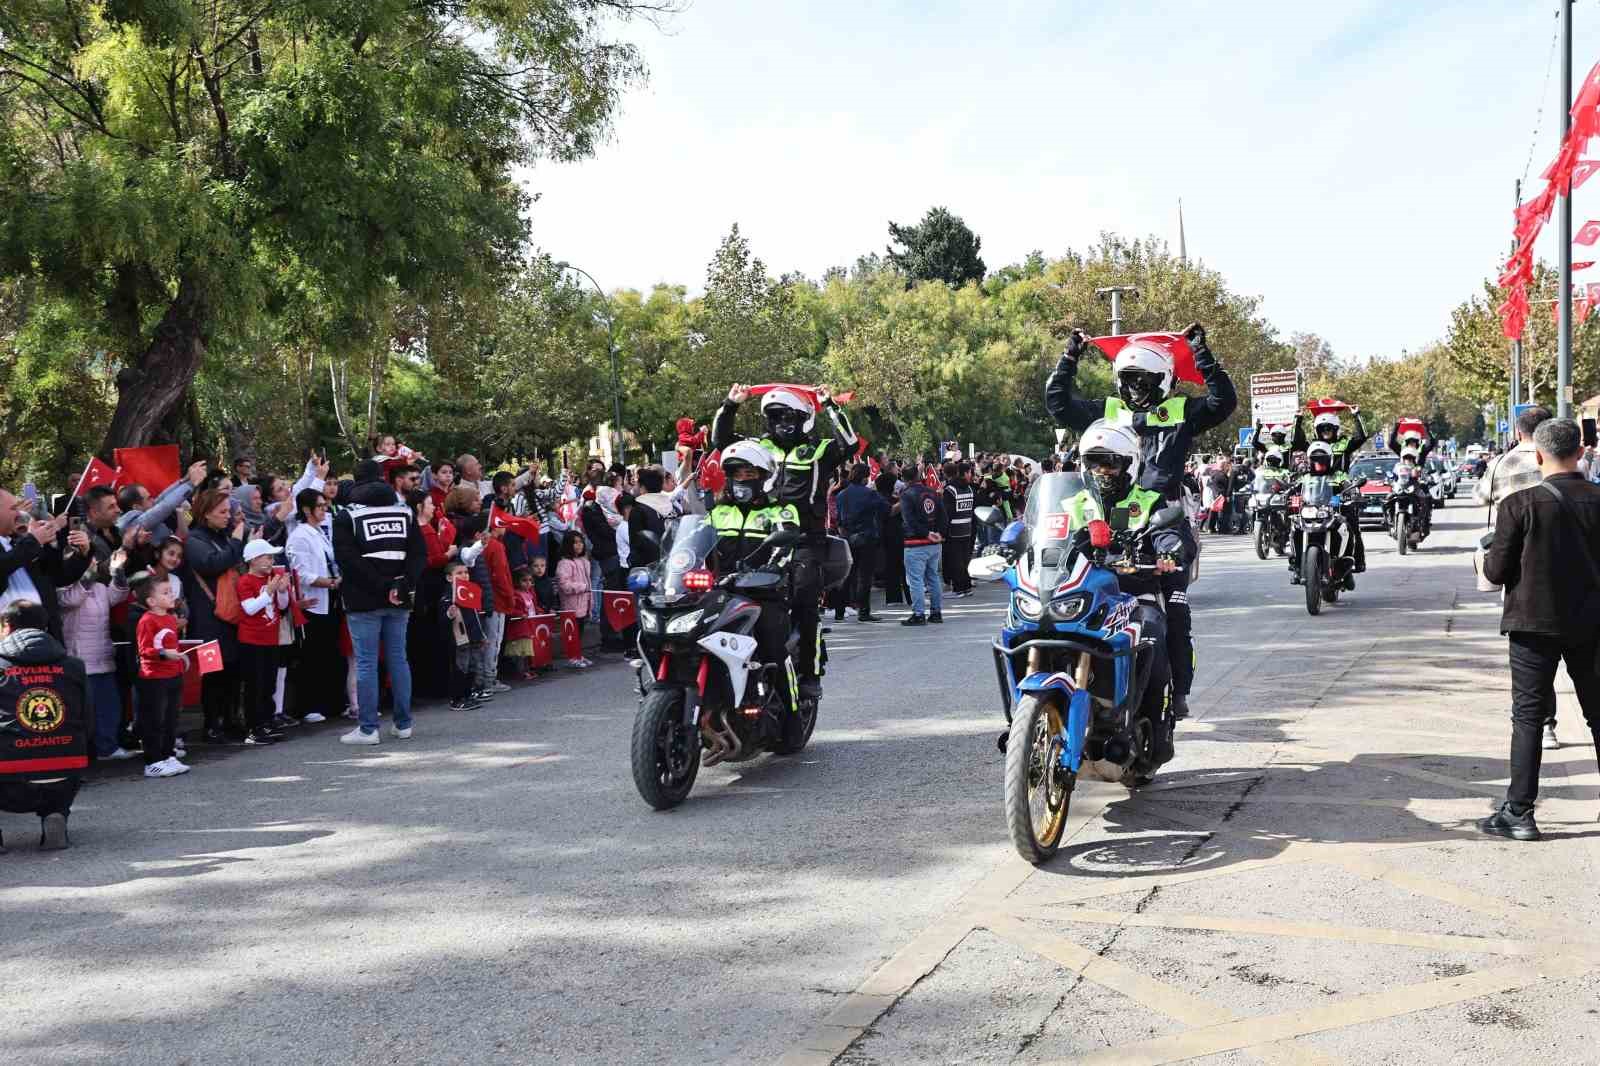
{"points": [[1173, 344]]}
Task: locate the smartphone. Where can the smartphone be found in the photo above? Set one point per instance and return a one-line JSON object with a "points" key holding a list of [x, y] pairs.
{"points": [[75, 524], [1591, 436], [59, 502]]}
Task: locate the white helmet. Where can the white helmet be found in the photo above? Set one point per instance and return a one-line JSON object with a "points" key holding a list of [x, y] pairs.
{"points": [[1326, 418], [1107, 440], [749, 453], [1144, 374], [1274, 457], [1319, 451], [784, 401]]}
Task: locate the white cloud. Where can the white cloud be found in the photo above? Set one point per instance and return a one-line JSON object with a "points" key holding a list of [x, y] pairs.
{"points": [[1351, 163]]}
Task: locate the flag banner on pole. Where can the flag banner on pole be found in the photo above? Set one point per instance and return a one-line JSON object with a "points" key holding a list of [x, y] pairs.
{"points": [[1588, 234], [96, 473], [208, 657], [621, 611], [571, 639], [467, 594], [524, 527], [155, 466], [544, 639]]}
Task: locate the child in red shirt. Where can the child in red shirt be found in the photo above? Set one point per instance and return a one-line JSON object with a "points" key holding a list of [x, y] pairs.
{"points": [[263, 597], [160, 681]]}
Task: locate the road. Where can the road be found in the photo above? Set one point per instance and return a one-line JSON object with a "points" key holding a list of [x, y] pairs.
{"points": [[1301, 885]]}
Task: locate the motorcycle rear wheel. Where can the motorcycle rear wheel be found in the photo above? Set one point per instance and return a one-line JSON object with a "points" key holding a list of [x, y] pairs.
{"points": [[1402, 534], [1034, 778], [1311, 578], [666, 752]]}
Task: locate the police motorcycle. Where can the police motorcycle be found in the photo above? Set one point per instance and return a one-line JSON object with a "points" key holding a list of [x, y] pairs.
{"points": [[1269, 511], [1406, 508], [1082, 665], [1320, 531], [709, 698]]}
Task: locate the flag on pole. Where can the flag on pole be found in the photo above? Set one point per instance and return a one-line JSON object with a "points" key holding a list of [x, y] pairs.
{"points": [[544, 644], [571, 639], [155, 466], [96, 473], [467, 594], [621, 611], [525, 527], [1588, 234], [208, 657]]}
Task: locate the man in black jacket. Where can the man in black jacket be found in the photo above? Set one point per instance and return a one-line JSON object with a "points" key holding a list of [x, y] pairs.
{"points": [[925, 523], [958, 506], [44, 727], [1167, 425], [37, 556], [381, 556], [1546, 554]]}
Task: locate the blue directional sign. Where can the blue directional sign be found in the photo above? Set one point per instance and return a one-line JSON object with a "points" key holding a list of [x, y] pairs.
{"points": [[1244, 436]]}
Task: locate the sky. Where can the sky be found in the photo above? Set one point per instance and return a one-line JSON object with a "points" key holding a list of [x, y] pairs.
{"points": [[1351, 163]]}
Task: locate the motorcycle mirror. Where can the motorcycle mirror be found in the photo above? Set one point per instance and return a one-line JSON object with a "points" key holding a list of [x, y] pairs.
{"points": [[1166, 517], [987, 568], [639, 579], [783, 538], [1015, 534], [1358, 482], [989, 516]]}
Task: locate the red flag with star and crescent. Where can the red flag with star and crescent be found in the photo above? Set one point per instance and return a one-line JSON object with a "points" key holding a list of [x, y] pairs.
{"points": [[571, 639]]}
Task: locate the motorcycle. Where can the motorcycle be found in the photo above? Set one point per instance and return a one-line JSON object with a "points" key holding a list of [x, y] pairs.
{"points": [[1269, 513], [1321, 539], [1407, 509], [1082, 666], [709, 699]]}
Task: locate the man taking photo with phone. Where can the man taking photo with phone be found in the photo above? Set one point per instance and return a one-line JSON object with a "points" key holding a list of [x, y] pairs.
{"points": [[38, 556]]}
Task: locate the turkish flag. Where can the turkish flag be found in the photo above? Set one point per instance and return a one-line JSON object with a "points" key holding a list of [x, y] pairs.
{"points": [[571, 639], [544, 640], [1173, 344], [208, 657], [1588, 234], [567, 509], [467, 594], [807, 391], [1581, 308], [621, 611], [710, 476], [1585, 120], [1327, 405], [96, 473], [526, 528], [1584, 265], [154, 466]]}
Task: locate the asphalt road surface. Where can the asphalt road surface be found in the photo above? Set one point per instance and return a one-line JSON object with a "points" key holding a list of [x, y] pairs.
{"points": [[1302, 884]]}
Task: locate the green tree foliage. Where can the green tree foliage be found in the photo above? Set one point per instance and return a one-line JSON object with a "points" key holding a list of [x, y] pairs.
{"points": [[179, 170], [939, 248]]}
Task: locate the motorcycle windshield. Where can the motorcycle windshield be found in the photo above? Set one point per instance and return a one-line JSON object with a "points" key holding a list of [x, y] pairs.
{"points": [[1316, 491], [1269, 483], [690, 547], [1046, 514]]}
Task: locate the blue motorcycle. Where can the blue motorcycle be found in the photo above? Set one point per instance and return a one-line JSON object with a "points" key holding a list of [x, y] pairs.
{"points": [[1082, 665]]}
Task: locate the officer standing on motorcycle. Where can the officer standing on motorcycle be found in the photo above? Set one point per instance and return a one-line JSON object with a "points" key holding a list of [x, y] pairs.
{"points": [[1167, 426], [1413, 444], [1265, 437], [805, 467], [744, 517], [1343, 449]]}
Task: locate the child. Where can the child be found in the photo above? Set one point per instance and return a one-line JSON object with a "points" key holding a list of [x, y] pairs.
{"points": [[572, 580], [263, 597], [544, 591], [160, 678], [463, 631], [519, 626]]}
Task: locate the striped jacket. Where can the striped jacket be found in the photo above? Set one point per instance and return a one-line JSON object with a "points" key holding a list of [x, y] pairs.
{"points": [[1512, 472]]}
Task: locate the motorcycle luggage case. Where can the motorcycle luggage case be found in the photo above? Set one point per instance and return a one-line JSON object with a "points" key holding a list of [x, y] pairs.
{"points": [[834, 561]]}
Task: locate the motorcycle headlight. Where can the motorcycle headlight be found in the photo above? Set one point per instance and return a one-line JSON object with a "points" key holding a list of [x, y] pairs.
{"points": [[1310, 512], [1028, 607], [648, 619], [684, 623], [1071, 608]]}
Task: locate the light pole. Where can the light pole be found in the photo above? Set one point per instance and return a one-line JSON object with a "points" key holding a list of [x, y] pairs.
{"points": [[611, 334], [1564, 324], [1115, 293]]}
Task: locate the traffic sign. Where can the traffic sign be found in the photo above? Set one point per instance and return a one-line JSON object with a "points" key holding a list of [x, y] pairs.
{"points": [[1503, 426], [1245, 432], [1516, 413], [1275, 396], [1377, 441]]}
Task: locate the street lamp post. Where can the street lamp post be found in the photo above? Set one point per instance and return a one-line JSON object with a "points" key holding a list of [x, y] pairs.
{"points": [[611, 334]]}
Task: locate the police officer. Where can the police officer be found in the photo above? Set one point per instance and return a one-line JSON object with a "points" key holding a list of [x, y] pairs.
{"points": [[1330, 431], [1322, 462], [44, 729], [958, 507], [744, 517], [1166, 425], [804, 468]]}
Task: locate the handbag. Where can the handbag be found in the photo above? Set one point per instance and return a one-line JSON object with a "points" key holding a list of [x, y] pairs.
{"points": [[225, 597]]}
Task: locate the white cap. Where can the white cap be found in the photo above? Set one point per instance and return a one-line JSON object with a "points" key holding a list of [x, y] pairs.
{"points": [[257, 548]]}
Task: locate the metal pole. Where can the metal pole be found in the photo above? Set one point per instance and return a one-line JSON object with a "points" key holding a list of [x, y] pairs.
{"points": [[1564, 342], [1115, 294], [1516, 345]]}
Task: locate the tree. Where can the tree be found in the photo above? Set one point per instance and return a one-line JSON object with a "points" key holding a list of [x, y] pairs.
{"points": [[178, 170], [939, 248]]}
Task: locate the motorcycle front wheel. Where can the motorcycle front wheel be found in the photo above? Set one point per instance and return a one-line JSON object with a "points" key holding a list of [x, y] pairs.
{"points": [[666, 751], [1402, 532], [1038, 790], [1261, 540], [1311, 577], [797, 728]]}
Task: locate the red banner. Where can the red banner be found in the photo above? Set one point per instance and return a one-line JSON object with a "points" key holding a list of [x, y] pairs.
{"points": [[154, 466], [571, 639], [621, 611], [544, 639]]}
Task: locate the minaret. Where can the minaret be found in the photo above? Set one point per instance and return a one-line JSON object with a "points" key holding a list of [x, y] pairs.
{"points": [[1183, 247]]}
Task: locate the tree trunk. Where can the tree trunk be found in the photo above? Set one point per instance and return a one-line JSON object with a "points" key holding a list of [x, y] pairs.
{"points": [[154, 386]]}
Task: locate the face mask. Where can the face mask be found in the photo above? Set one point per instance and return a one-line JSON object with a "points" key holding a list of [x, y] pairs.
{"points": [[742, 491]]}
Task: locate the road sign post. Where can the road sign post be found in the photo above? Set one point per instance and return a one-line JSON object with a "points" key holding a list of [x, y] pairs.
{"points": [[1274, 397]]}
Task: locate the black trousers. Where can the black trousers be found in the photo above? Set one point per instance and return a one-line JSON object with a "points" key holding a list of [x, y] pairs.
{"points": [[1180, 634], [957, 554], [1534, 659], [159, 698], [857, 588], [317, 679], [258, 666], [219, 697], [39, 797]]}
